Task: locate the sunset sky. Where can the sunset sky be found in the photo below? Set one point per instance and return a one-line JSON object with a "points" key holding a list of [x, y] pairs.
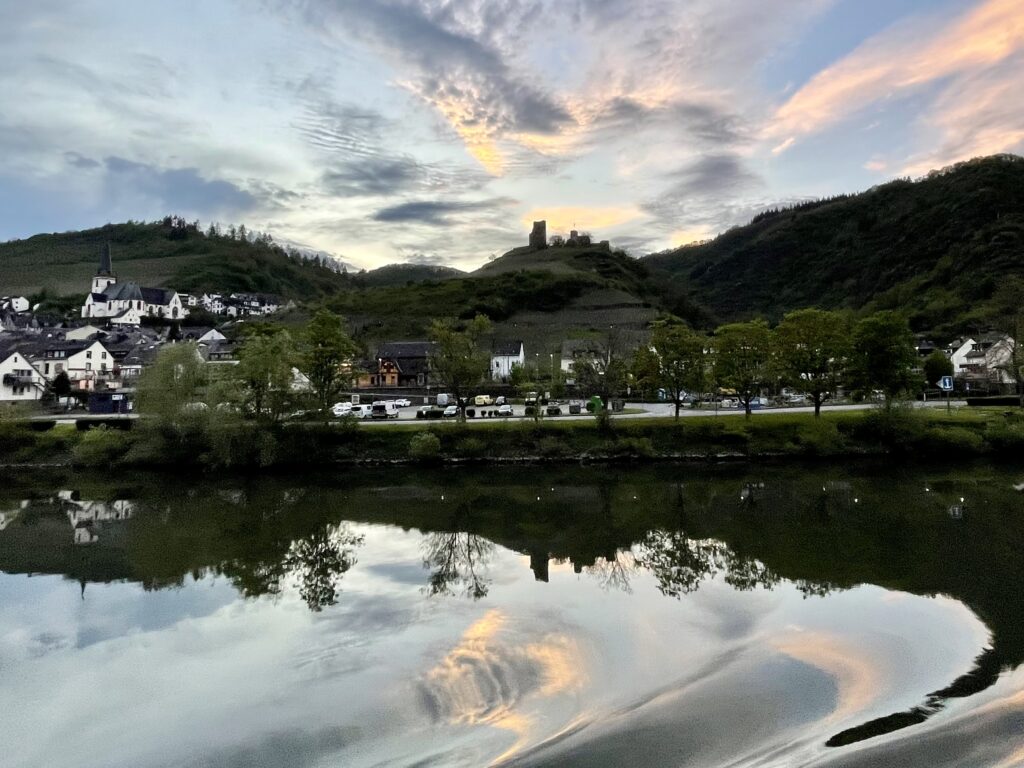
{"points": [[435, 131]]}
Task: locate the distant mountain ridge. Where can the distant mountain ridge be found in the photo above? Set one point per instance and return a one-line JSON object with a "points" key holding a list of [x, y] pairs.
{"points": [[936, 248]]}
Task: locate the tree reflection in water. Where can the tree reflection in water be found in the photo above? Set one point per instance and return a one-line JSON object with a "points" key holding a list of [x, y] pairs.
{"points": [[459, 561], [319, 561]]}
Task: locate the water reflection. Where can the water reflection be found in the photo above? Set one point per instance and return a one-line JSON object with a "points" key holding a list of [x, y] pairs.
{"points": [[723, 547]]}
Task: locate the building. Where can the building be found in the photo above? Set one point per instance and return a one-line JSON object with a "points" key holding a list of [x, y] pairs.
{"points": [[539, 235], [582, 350], [505, 356], [400, 364], [19, 379], [983, 363], [86, 363], [16, 304], [127, 303]]}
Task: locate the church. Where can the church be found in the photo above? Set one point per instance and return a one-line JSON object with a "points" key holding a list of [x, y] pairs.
{"points": [[127, 303]]}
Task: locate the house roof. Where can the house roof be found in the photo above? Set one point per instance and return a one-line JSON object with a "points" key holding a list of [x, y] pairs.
{"points": [[577, 347], [404, 350], [157, 295], [507, 348], [123, 292]]}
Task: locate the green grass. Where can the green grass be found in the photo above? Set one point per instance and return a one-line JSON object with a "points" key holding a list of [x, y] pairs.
{"points": [[922, 435]]}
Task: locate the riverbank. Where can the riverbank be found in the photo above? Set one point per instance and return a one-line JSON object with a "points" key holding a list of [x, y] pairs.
{"points": [[217, 444]]}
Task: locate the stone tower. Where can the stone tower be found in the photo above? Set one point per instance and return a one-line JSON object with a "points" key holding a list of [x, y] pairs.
{"points": [[539, 235]]}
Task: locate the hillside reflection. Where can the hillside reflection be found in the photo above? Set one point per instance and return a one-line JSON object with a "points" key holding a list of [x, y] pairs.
{"points": [[959, 533]]}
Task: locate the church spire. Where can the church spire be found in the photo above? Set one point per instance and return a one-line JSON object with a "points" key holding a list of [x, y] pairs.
{"points": [[105, 265]]}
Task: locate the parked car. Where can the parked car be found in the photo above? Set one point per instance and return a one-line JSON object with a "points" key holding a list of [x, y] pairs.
{"points": [[575, 407], [728, 402], [384, 410], [362, 411], [443, 398], [403, 402], [504, 410], [341, 409], [554, 409], [451, 411], [499, 400], [481, 400]]}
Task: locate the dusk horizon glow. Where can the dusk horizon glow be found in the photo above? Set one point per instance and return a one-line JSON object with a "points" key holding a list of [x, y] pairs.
{"points": [[435, 131]]}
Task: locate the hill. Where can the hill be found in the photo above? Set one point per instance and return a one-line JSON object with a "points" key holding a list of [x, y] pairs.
{"points": [[170, 253], [403, 274], [542, 296], [936, 248]]}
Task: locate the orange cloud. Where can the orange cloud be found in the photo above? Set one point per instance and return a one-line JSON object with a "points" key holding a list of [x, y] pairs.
{"points": [[898, 61], [565, 218], [857, 677]]}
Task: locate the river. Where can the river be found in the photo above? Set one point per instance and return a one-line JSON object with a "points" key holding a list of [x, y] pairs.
{"points": [[723, 616]]}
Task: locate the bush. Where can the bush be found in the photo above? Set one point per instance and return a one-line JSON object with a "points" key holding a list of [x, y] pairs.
{"points": [[632, 447], [425, 446], [954, 440], [471, 447], [101, 447], [1006, 437], [551, 448]]}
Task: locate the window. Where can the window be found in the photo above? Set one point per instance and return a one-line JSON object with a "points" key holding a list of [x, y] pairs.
{"points": [[88, 355], [88, 366], [103, 355]]}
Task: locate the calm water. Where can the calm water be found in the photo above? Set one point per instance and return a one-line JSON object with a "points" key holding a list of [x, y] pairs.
{"points": [[675, 616]]}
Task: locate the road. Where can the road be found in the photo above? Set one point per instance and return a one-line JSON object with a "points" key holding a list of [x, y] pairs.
{"points": [[662, 410]]}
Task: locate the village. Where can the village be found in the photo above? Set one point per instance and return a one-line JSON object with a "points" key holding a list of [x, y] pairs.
{"points": [[94, 364]]}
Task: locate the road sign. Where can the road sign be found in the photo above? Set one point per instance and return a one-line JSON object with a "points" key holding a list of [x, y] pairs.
{"points": [[946, 383]]}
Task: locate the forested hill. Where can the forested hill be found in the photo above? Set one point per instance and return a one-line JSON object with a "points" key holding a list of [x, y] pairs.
{"points": [[171, 253], [936, 248]]}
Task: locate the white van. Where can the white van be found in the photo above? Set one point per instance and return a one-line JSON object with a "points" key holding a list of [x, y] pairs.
{"points": [[384, 410], [442, 399]]}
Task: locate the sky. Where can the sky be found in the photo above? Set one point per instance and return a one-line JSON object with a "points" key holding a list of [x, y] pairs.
{"points": [[436, 131]]}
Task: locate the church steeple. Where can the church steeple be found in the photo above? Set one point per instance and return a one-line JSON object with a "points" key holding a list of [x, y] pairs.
{"points": [[105, 276], [105, 266]]}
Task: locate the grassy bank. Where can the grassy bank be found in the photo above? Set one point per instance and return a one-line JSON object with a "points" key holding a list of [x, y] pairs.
{"points": [[217, 444]]}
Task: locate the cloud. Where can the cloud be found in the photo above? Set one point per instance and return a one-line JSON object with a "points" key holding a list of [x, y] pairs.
{"points": [[466, 79], [436, 212], [80, 161], [179, 190], [903, 60], [565, 218], [706, 196]]}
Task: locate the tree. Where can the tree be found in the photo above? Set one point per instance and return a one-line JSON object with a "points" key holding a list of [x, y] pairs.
{"points": [[645, 370], [457, 359], [743, 353], [1008, 305], [937, 365], [61, 385], [264, 372], [679, 352], [812, 350], [177, 379], [601, 377], [327, 357], [883, 354]]}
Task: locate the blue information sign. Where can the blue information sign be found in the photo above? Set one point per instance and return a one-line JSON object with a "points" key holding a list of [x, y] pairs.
{"points": [[946, 383]]}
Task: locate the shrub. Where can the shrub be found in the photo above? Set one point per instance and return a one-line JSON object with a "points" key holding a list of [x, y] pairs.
{"points": [[101, 447], [954, 440], [632, 447], [471, 447], [1006, 437], [425, 446], [551, 447]]}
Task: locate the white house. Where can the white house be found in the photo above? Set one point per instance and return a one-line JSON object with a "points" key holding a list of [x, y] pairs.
{"points": [[19, 379], [85, 362], [127, 303], [506, 354], [17, 304], [984, 361]]}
